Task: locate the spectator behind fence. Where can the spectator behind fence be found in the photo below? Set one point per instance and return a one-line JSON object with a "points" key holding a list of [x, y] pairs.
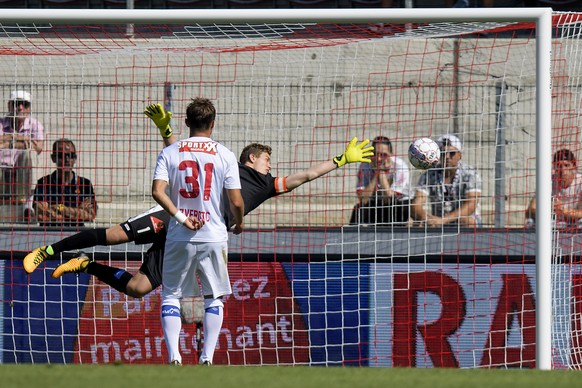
{"points": [[383, 188], [63, 198], [21, 134], [566, 192], [451, 191]]}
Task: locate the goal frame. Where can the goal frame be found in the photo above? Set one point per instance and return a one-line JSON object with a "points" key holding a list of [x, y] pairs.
{"points": [[542, 17]]}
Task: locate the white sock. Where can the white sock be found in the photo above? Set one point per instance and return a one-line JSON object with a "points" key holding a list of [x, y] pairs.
{"points": [[172, 324], [213, 316]]}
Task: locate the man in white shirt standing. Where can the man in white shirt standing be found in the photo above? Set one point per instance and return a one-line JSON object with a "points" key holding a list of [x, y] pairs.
{"points": [[20, 134], [197, 171]]}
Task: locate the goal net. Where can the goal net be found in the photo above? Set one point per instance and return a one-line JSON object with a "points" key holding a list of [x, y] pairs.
{"points": [[309, 288]]}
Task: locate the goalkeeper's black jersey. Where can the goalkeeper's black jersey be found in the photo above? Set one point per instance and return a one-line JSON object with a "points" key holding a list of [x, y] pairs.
{"points": [[256, 188]]}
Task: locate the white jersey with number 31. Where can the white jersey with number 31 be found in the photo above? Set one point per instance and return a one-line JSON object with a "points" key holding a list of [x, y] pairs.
{"points": [[197, 170]]}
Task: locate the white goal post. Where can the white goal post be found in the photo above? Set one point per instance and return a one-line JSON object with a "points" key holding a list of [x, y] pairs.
{"points": [[541, 17]]}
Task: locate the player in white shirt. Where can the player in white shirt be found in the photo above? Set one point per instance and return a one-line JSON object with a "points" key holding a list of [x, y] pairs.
{"points": [[196, 171]]}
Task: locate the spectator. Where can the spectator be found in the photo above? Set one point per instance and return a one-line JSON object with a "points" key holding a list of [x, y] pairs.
{"points": [[561, 5], [383, 188], [450, 192], [492, 3], [502, 3], [566, 192], [21, 134], [63, 198]]}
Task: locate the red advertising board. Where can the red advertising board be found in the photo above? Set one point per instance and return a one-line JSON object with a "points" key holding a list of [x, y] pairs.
{"points": [[262, 324]]}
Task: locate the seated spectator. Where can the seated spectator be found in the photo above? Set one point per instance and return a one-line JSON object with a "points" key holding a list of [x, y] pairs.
{"points": [[21, 134], [562, 5], [502, 3], [383, 188], [566, 192], [63, 198], [449, 193]]}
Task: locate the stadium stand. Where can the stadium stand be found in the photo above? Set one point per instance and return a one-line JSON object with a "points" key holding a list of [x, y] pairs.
{"points": [[559, 5], [313, 4], [119, 4], [14, 4], [562, 5], [181, 4], [366, 3], [252, 4], [75, 4]]}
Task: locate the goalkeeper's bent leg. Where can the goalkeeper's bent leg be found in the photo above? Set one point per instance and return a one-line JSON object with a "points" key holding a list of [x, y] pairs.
{"points": [[115, 277], [84, 239]]}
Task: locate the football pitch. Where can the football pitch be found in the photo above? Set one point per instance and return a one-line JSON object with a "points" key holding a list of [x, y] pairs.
{"points": [[161, 376]]}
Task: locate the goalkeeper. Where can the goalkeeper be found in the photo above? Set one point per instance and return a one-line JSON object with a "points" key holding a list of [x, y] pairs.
{"points": [[258, 185]]}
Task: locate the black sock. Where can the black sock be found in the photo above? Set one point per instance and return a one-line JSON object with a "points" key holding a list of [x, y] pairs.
{"points": [[115, 277], [85, 239]]}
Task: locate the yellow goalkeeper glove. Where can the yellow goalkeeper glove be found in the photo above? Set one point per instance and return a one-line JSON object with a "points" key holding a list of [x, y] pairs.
{"points": [[161, 118], [355, 153]]}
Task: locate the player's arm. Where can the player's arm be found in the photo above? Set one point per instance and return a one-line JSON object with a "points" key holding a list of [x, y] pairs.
{"points": [[159, 194], [162, 120], [297, 179], [237, 208], [354, 153]]}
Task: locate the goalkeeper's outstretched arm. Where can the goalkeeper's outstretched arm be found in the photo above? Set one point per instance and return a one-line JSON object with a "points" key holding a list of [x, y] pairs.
{"points": [[355, 153], [162, 120]]}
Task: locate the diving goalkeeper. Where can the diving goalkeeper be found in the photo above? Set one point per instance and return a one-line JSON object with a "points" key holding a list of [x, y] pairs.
{"points": [[258, 185]]}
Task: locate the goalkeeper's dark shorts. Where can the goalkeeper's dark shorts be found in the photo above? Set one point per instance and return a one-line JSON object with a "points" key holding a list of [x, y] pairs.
{"points": [[145, 228], [153, 263]]}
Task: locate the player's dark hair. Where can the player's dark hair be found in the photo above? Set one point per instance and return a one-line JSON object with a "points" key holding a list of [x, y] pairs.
{"points": [[200, 113], [382, 140], [253, 149], [565, 155]]}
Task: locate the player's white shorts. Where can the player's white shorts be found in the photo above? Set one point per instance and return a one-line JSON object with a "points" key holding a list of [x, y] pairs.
{"points": [[183, 260]]}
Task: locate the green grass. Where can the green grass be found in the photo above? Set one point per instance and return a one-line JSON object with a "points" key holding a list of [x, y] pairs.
{"points": [[143, 376]]}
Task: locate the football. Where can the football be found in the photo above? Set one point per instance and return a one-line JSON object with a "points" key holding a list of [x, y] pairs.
{"points": [[424, 153]]}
